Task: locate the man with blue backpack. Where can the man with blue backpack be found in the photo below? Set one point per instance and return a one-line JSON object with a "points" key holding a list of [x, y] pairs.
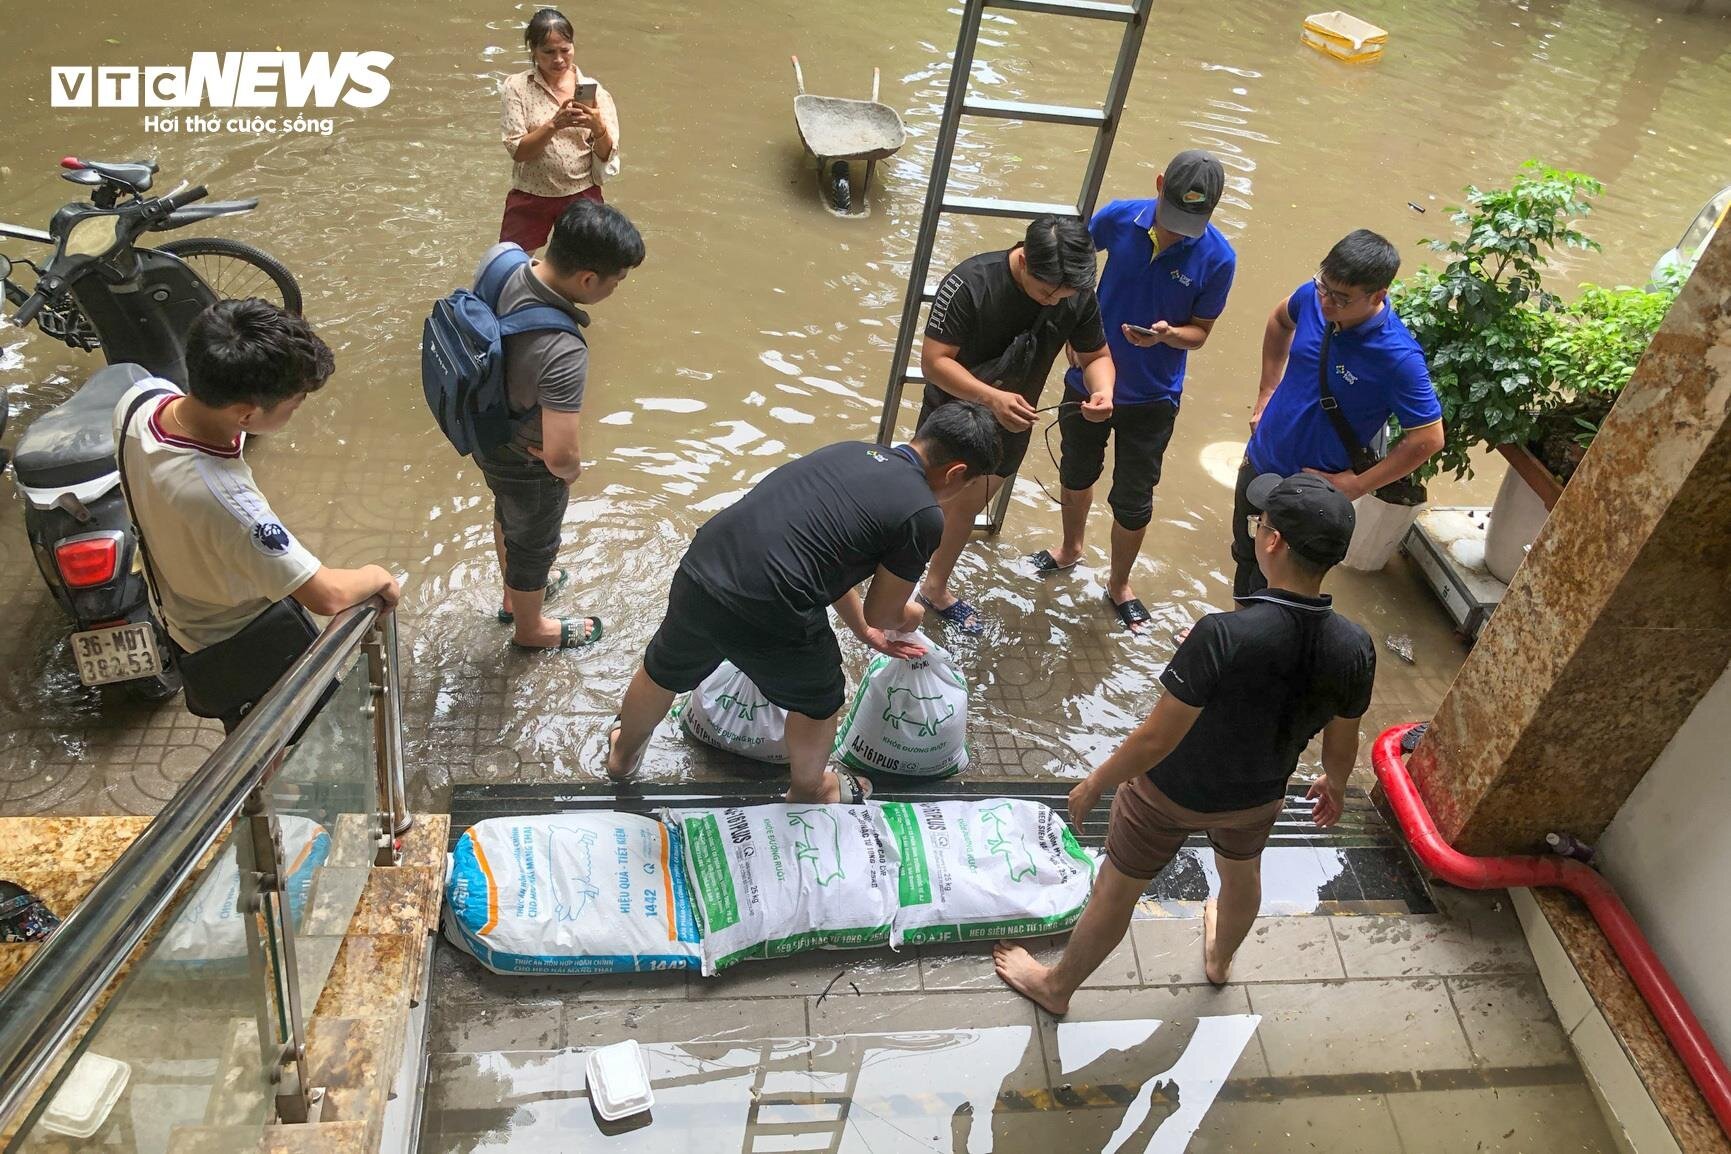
{"points": [[504, 368]]}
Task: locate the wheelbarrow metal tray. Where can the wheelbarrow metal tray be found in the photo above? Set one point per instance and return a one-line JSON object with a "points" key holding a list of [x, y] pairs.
{"points": [[839, 128]]}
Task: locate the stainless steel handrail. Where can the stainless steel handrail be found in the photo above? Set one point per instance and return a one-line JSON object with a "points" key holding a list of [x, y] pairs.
{"points": [[43, 1005]]}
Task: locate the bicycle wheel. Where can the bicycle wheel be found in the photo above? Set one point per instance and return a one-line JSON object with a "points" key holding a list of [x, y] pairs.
{"points": [[234, 270]]}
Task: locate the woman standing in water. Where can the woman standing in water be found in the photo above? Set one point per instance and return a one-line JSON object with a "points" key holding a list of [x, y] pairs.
{"points": [[561, 129]]}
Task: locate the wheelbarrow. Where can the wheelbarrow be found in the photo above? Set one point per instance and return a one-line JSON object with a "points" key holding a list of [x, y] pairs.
{"points": [[837, 131]]}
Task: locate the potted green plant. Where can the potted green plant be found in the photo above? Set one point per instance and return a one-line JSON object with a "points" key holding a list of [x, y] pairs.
{"points": [[1515, 367]]}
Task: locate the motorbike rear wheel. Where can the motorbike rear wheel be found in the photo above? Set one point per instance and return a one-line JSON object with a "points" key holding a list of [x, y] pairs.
{"points": [[234, 270]]}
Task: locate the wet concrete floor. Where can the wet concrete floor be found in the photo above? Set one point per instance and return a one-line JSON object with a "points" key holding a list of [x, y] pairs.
{"points": [[1371, 1034]]}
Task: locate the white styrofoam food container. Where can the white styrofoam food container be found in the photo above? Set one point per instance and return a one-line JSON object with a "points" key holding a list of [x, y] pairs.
{"points": [[619, 1081], [82, 1103]]}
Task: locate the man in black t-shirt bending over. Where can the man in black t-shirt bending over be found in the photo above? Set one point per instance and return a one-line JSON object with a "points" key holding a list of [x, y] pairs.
{"points": [[1245, 693], [997, 323], [755, 586]]}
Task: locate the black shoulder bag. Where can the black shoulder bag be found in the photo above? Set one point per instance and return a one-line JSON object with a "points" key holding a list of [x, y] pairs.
{"points": [[1405, 491], [224, 680]]}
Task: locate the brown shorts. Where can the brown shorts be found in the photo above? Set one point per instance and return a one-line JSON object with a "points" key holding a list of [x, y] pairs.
{"points": [[1148, 827]]}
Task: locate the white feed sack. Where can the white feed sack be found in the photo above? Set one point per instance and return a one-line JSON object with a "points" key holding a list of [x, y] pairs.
{"points": [[577, 893], [909, 717], [772, 880], [210, 929], [995, 868], [728, 712]]}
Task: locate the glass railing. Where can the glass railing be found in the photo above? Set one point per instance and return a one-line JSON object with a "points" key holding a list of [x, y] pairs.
{"points": [[169, 1010]]}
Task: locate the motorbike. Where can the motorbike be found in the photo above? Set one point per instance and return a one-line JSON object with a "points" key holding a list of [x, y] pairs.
{"points": [[101, 290]]}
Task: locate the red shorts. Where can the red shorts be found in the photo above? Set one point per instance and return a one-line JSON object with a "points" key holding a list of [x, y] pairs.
{"points": [[530, 218]]}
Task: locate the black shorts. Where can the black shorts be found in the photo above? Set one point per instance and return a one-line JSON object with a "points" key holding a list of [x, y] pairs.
{"points": [[798, 669], [529, 505], [1140, 434], [1012, 446]]}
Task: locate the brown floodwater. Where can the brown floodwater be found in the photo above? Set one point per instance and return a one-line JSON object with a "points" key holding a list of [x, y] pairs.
{"points": [[760, 326]]}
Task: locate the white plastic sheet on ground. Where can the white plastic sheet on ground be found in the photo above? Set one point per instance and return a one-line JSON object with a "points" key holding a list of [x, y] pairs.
{"points": [[909, 717], [772, 880], [728, 712], [578, 893], [994, 868]]}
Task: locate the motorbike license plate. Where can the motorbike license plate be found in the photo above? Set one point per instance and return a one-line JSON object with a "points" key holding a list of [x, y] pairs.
{"points": [[117, 653]]}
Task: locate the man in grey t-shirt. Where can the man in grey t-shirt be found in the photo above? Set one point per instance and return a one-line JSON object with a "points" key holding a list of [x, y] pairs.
{"points": [[592, 249]]}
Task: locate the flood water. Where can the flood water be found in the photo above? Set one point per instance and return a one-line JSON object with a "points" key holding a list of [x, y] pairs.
{"points": [[760, 326]]}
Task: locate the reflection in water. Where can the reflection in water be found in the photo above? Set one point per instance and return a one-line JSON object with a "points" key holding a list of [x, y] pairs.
{"points": [[760, 326], [1134, 1085]]}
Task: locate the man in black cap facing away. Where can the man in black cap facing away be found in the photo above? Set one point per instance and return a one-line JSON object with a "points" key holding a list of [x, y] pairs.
{"points": [[1245, 693]]}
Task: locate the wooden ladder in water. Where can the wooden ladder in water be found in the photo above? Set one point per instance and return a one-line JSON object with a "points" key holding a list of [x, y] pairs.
{"points": [[939, 201]]}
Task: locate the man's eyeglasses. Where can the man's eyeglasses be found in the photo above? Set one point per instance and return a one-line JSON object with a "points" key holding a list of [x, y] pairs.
{"points": [[1253, 523], [1334, 297]]}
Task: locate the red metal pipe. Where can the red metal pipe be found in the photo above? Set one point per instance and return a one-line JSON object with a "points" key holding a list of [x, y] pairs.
{"points": [[1703, 1062]]}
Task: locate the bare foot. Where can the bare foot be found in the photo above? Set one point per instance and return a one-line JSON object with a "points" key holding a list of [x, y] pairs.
{"points": [[612, 764], [1212, 969], [1029, 978]]}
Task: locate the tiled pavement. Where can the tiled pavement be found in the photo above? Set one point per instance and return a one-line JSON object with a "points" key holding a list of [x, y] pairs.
{"points": [[1422, 1033], [474, 715]]}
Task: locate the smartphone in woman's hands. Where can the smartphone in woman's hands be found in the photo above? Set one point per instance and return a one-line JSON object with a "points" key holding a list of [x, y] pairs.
{"points": [[586, 93]]}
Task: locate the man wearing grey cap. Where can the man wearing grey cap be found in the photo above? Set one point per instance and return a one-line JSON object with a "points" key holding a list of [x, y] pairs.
{"points": [[1168, 272], [1245, 693]]}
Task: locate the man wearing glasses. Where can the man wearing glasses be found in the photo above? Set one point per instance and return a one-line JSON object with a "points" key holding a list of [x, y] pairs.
{"points": [[1338, 324]]}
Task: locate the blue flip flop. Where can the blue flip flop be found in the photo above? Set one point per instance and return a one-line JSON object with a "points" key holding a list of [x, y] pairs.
{"points": [[959, 614]]}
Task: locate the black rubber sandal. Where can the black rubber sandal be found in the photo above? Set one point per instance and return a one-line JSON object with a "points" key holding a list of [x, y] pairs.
{"points": [[570, 635], [1045, 564], [1132, 613]]}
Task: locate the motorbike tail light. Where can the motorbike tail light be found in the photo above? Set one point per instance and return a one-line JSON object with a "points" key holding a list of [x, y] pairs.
{"points": [[88, 562]]}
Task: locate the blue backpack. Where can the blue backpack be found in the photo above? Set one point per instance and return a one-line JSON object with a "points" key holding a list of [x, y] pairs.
{"points": [[463, 358]]}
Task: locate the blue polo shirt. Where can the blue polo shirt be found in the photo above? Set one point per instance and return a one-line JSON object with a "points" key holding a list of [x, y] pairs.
{"points": [[1375, 369], [1185, 280]]}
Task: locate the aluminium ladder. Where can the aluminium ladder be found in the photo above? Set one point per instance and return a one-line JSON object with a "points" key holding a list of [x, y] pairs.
{"points": [[957, 104]]}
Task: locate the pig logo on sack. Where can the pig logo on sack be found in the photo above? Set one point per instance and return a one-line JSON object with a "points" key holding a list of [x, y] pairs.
{"points": [[1008, 843], [818, 842], [746, 707], [909, 712], [572, 889]]}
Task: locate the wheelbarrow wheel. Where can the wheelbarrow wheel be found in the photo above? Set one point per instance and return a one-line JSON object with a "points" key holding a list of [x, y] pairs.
{"points": [[840, 191]]}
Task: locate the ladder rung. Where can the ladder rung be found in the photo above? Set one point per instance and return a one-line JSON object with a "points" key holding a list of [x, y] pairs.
{"points": [[1087, 9], [991, 206], [1044, 113]]}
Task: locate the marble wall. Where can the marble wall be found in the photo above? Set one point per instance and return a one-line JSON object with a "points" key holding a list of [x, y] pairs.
{"points": [[1618, 622]]}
